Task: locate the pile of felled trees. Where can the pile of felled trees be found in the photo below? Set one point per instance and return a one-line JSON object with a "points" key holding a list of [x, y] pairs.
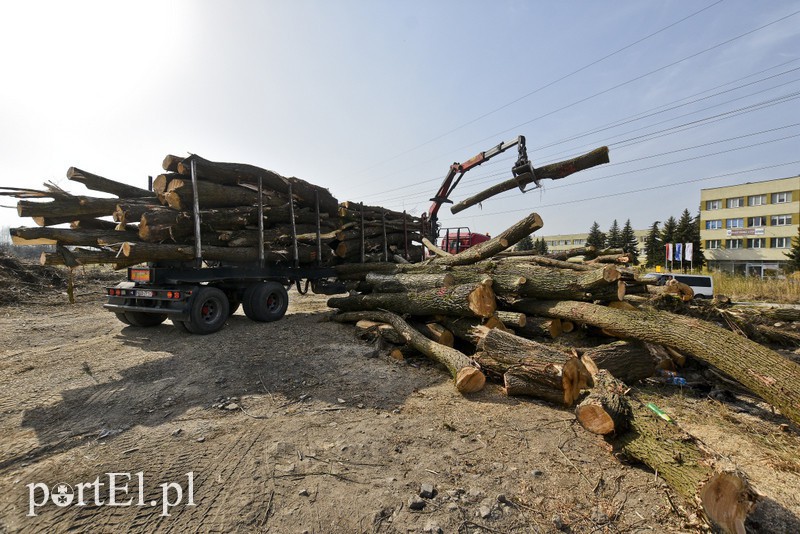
{"points": [[567, 332], [159, 225]]}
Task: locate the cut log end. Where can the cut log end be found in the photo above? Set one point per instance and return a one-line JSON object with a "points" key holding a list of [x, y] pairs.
{"points": [[727, 500], [482, 301], [594, 418], [470, 380]]}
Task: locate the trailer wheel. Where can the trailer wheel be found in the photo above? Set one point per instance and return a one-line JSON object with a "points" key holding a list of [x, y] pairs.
{"points": [[265, 302], [122, 318], [144, 320], [208, 312]]}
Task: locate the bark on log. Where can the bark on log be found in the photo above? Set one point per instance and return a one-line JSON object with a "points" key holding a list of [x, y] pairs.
{"points": [[539, 327], [531, 368], [435, 332], [464, 300], [763, 371], [463, 327], [99, 224], [489, 248], [625, 360], [401, 282], [434, 249], [550, 262], [468, 378], [69, 209], [554, 171], [98, 183], [366, 329], [605, 410], [132, 212], [548, 283], [142, 251], [170, 163]]}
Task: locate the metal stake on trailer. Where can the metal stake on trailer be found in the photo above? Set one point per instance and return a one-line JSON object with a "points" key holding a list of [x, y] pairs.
{"points": [[198, 246], [319, 233], [295, 256], [363, 255], [405, 233], [260, 223], [385, 243]]}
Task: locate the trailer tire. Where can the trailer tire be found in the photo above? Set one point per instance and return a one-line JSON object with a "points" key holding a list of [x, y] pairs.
{"points": [[122, 318], [208, 311], [265, 302], [144, 320]]}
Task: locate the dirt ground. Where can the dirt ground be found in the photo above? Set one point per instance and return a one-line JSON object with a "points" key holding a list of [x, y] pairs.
{"points": [[296, 426]]}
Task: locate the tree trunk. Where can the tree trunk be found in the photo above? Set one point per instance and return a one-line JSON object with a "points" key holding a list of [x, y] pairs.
{"points": [[399, 283], [554, 171], [539, 327], [98, 183], [435, 332], [468, 378], [69, 209], [763, 371], [625, 360], [463, 300], [548, 283], [531, 368], [170, 163], [132, 212], [605, 410], [484, 250], [86, 257], [142, 251], [366, 329], [463, 327]]}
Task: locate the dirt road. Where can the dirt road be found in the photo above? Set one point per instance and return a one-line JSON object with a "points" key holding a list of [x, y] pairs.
{"points": [[293, 426]]}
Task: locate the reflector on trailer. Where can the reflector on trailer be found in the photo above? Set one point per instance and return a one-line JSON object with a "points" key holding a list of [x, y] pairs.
{"points": [[138, 274]]}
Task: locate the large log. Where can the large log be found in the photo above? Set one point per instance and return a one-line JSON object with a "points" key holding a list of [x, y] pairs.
{"points": [[179, 195], [86, 257], [765, 372], [467, 377], [98, 183], [605, 410], [476, 300], [489, 248], [72, 208], [724, 498], [628, 361], [554, 171], [67, 236], [531, 368], [464, 327], [401, 282], [548, 283]]}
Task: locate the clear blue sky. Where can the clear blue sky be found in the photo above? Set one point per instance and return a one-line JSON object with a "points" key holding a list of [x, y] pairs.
{"points": [[375, 99]]}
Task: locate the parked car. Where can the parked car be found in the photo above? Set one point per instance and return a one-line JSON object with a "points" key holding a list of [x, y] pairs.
{"points": [[702, 285]]}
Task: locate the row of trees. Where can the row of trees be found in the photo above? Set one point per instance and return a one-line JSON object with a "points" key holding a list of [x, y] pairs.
{"points": [[624, 239]]}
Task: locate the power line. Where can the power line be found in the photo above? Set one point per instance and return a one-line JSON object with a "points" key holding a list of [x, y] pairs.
{"points": [[541, 88]]}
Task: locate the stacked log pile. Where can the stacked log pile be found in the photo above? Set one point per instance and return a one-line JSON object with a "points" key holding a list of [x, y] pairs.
{"points": [[158, 225], [579, 335]]}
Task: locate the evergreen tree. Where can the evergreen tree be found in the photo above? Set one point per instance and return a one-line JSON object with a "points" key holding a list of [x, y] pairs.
{"points": [[630, 243], [526, 243], [614, 236], [683, 230], [543, 247], [794, 253], [654, 247], [596, 238], [698, 258]]}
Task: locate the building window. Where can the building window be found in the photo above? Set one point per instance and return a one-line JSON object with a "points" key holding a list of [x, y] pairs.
{"points": [[734, 223], [733, 243], [756, 200], [579, 241], [713, 204], [713, 243], [716, 224], [782, 198], [758, 242], [781, 220], [737, 202], [756, 221], [781, 242]]}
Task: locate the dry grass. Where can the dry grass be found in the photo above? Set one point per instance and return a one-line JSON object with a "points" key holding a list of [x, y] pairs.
{"points": [[751, 288]]}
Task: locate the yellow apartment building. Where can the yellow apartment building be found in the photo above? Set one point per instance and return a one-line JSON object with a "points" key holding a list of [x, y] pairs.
{"points": [[748, 228]]}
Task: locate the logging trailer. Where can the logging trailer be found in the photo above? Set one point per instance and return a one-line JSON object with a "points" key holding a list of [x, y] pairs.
{"points": [[201, 295]]}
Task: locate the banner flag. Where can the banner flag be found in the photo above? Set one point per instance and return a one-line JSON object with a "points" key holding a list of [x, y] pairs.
{"points": [[688, 250], [669, 251], [678, 251]]}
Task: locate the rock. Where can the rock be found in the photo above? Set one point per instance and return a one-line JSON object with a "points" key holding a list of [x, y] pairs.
{"points": [[474, 495], [303, 492], [340, 400], [451, 507], [557, 521], [485, 511], [537, 472], [502, 499], [176, 431], [427, 491], [201, 439], [231, 406], [416, 503], [599, 516]]}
